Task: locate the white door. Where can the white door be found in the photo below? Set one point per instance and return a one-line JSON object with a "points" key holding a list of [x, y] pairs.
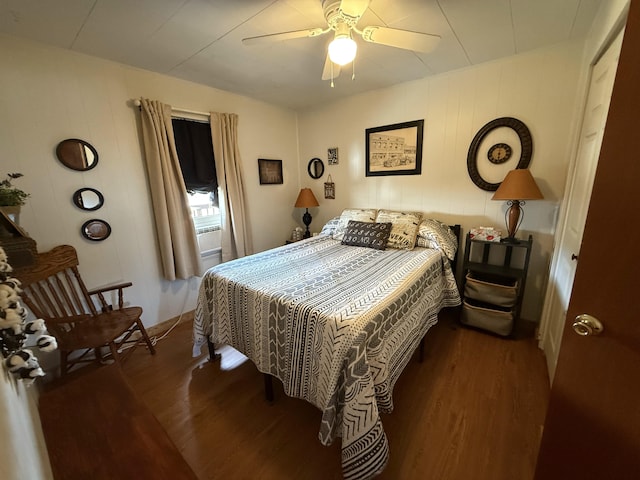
{"points": [[568, 250]]}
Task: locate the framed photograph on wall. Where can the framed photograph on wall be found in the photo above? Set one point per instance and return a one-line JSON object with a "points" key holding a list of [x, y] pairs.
{"points": [[394, 149], [270, 171]]}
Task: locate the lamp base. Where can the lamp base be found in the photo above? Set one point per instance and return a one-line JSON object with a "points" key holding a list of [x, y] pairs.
{"points": [[306, 219], [512, 217]]}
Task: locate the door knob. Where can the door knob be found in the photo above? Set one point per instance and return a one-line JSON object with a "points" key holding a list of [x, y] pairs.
{"points": [[586, 325], [574, 256]]}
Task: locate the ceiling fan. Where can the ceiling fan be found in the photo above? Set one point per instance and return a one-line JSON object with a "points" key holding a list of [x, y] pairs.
{"points": [[342, 17]]}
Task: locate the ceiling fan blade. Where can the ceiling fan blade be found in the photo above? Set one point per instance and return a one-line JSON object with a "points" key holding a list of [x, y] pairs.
{"points": [[279, 37], [354, 8], [416, 41], [326, 71]]}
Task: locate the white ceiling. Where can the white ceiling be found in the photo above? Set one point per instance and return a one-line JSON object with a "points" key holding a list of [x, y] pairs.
{"points": [[200, 40]]}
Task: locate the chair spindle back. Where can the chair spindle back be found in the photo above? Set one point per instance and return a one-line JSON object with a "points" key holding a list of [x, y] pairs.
{"points": [[53, 288]]}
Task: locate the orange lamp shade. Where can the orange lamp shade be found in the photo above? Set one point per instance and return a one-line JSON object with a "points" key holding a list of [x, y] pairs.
{"points": [[306, 199], [517, 186]]}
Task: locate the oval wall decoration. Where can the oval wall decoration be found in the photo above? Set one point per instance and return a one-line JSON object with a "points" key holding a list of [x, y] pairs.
{"points": [[95, 230], [526, 144]]}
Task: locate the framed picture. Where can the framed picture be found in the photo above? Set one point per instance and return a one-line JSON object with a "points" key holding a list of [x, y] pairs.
{"points": [[332, 156], [270, 171], [394, 149]]}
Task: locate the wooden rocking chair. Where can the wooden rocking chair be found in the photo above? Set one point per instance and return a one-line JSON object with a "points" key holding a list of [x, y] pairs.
{"points": [[55, 292]]}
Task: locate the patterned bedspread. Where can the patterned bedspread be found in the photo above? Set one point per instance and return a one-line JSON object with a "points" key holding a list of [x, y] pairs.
{"points": [[336, 324]]}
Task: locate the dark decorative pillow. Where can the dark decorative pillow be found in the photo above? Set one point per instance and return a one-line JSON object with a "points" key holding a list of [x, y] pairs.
{"points": [[367, 234], [358, 214]]}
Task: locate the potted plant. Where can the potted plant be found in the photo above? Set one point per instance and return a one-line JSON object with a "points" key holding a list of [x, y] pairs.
{"points": [[11, 198]]}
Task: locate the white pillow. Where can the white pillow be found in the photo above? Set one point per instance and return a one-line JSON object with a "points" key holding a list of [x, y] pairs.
{"points": [[404, 228], [357, 214], [330, 226]]}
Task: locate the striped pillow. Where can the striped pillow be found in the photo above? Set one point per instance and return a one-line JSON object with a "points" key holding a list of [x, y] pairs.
{"points": [[330, 227], [435, 234]]}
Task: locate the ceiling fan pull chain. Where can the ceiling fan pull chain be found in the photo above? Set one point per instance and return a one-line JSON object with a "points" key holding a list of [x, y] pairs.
{"points": [[332, 85]]}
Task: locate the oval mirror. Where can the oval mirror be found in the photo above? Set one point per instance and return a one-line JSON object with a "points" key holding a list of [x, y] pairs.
{"points": [[95, 230], [77, 154], [88, 199], [316, 168]]}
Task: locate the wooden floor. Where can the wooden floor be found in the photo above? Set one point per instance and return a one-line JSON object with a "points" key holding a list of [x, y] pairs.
{"points": [[473, 410]]}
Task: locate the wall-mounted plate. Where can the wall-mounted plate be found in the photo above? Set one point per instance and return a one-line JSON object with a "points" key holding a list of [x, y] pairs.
{"points": [[88, 199], [95, 230], [77, 154]]}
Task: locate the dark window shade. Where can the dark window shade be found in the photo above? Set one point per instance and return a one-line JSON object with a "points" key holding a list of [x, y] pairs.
{"points": [[195, 152]]}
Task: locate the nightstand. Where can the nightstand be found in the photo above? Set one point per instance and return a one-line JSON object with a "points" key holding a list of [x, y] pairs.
{"points": [[494, 278]]}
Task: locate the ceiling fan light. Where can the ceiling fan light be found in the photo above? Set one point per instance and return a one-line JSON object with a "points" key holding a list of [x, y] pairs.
{"points": [[342, 50]]}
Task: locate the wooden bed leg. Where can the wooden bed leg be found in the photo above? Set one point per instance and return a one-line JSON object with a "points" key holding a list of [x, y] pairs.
{"points": [[213, 356], [268, 387]]}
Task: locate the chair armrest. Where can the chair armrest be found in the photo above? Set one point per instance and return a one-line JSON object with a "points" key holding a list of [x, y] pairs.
{"points": [[99, 292], [108, 288]]}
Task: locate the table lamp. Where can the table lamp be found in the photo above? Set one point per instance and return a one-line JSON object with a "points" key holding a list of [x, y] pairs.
{"points": [[306, 200], [516, 187]]}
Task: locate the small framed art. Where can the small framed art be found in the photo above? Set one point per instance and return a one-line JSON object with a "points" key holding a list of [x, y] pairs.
{"points": [[270, 171], [329, 189], [332, 156]]}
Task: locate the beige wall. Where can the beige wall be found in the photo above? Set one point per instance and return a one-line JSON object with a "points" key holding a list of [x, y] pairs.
{"points": [[50, 94], [538, 88]]}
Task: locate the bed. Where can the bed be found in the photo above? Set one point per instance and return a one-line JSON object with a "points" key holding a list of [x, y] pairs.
{"points": [[335, 322]]}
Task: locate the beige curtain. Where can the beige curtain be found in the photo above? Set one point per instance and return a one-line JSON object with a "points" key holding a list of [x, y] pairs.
{"points": [[177, 240], [224, 133]]}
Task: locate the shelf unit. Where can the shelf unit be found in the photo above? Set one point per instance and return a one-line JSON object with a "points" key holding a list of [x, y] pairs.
{"points": [[494, 279]]}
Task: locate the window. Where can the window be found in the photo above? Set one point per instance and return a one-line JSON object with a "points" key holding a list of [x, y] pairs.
{"points": [[206, 215], [195, 153]]}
